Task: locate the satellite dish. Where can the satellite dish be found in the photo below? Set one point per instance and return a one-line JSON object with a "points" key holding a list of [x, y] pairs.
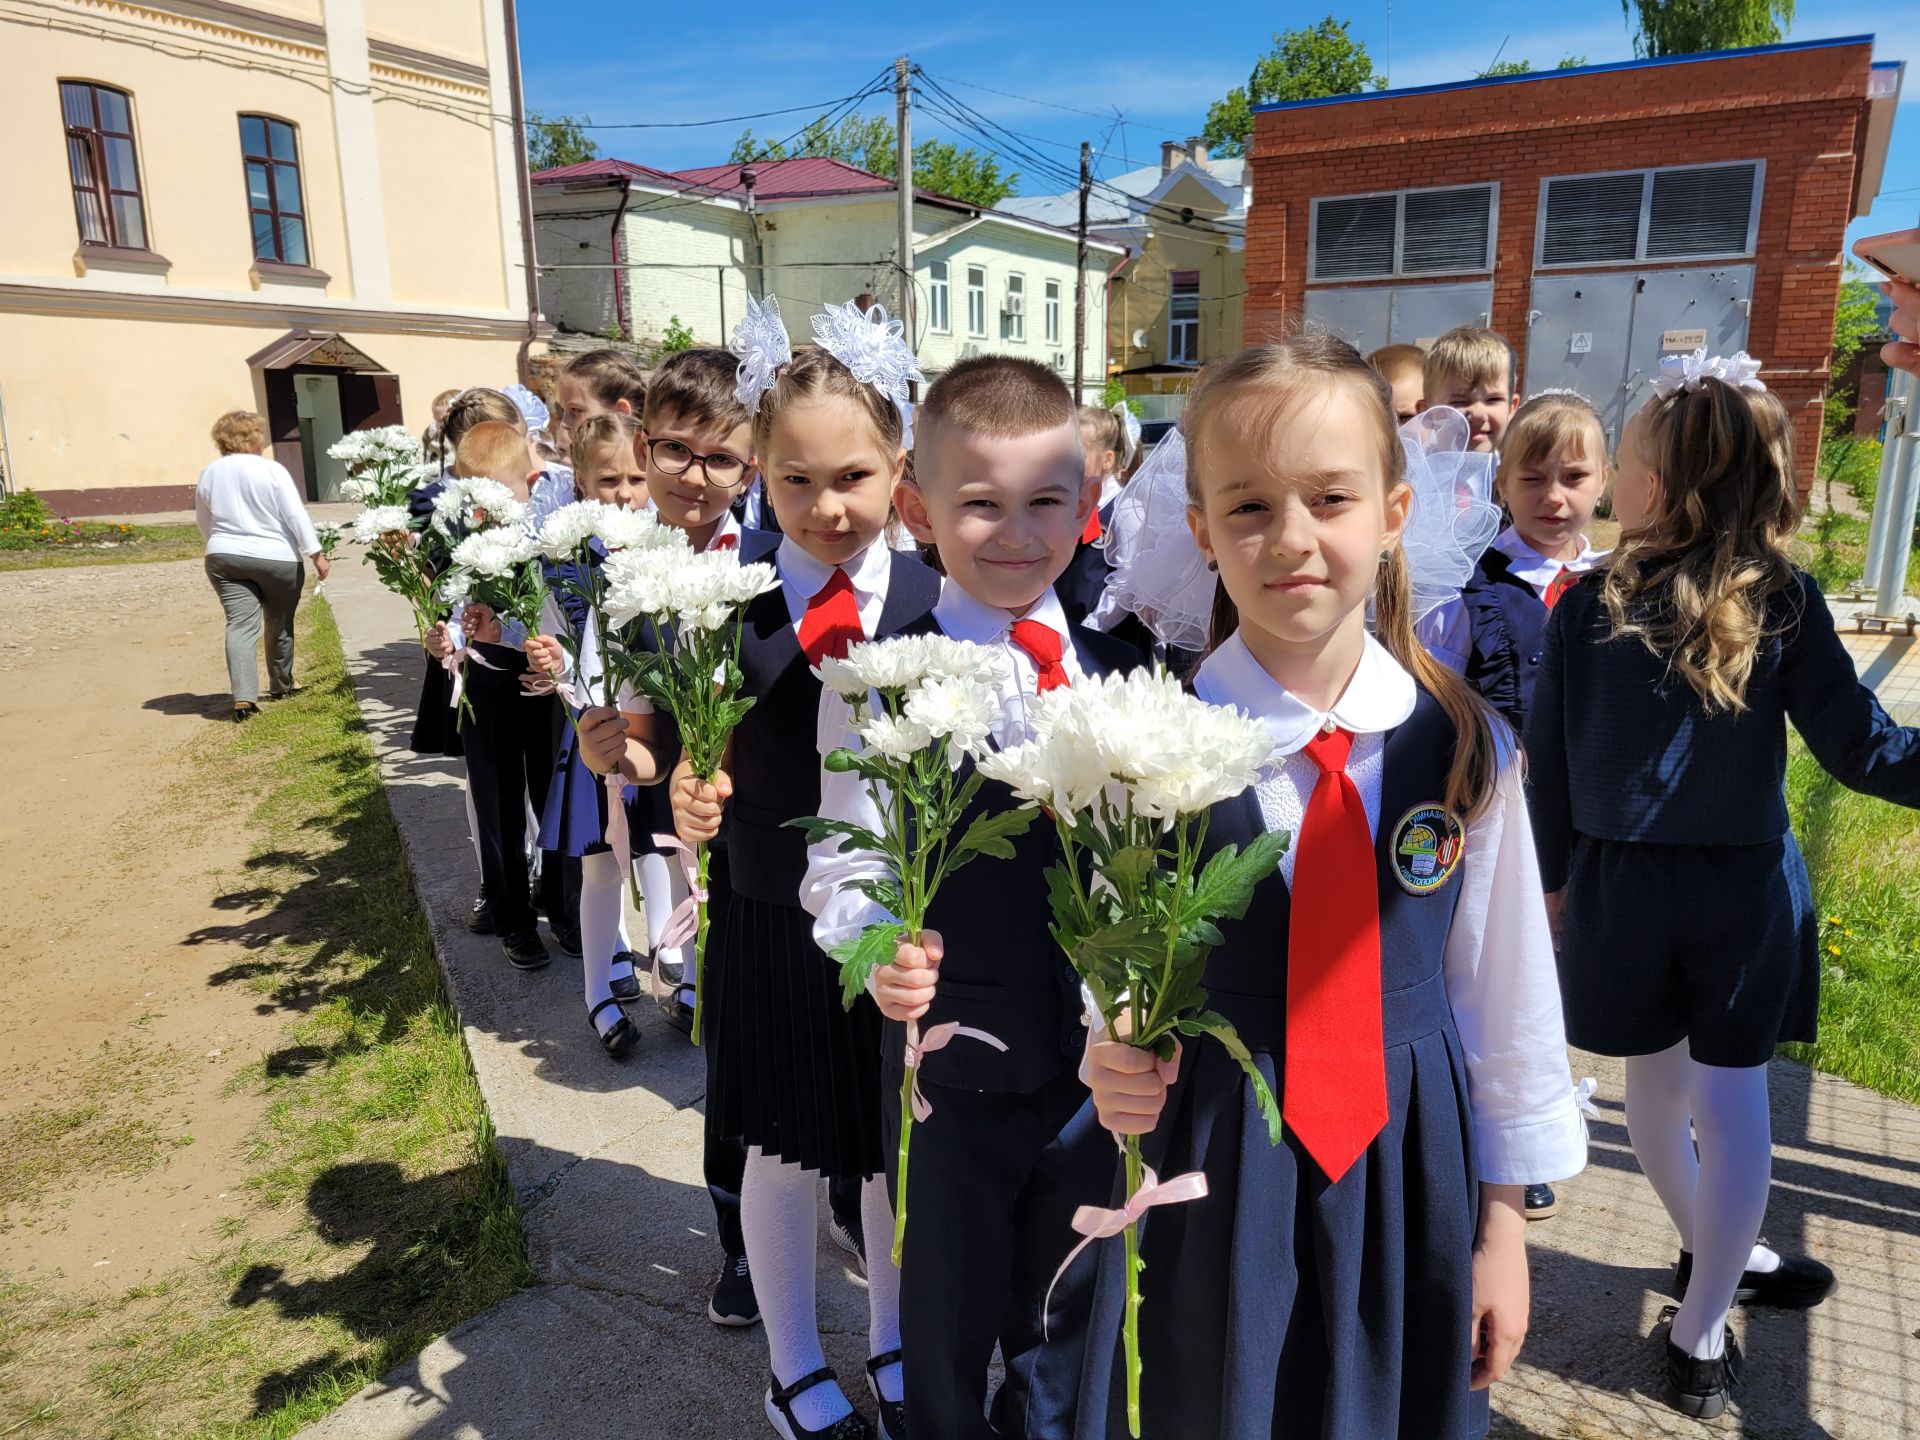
{"points": [[1139, 339]]}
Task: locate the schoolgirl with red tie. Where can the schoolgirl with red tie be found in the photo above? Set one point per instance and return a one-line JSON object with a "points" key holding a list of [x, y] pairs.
{"points": [[1395, 981], [791, 1070]]}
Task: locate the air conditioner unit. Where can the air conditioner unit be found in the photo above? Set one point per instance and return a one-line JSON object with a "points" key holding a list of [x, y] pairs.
{"points": [[1059, 359], [1016, 305], [971, 349]]}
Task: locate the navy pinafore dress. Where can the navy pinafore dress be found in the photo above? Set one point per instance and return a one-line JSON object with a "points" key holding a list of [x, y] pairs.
{"points": [[1280, 1303]]}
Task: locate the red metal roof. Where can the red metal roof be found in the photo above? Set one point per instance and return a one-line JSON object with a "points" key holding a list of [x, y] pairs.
{"points": [[788, 179], [606, 169]]}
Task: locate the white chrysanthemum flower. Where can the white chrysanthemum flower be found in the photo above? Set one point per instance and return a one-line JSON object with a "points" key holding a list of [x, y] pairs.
{"points": [[457, 586], [474, 502], [369, 525], [892, 664], [962, 711], [568, 528], [495, 553], [621, 529], [892, 738], [357, 491], [961, 660]]}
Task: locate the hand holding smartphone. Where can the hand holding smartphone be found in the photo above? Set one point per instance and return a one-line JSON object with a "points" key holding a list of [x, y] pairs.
{"points": [[1896, 255]]}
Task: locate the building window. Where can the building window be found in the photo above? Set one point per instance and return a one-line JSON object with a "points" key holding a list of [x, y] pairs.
{"points": [[1683, 212], [939, 298], [103, 166], [1183, 319], [1444, 231], [977, 301], [1013, 317], [1053, 312], [273, 190]]}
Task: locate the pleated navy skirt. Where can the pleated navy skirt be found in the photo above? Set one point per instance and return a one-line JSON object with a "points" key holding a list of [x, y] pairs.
{"points": [[1282, 1304], [791, 1070], [436, 729]]}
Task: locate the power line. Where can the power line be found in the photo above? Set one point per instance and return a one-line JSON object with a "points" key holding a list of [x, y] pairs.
{"points": [[817, 107], [1028, 99]]}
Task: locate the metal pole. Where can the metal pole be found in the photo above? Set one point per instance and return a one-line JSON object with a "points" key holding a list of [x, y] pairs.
{"points": [[749, 181], [903, 184], [1080, 277], [1891, 410], [8, 482], [1898, 547]]}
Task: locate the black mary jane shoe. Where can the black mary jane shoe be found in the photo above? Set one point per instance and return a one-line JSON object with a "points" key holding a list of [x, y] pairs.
{"points": [[620, 1037], [678, 1012], [1700, 1388], [1800, 1283], [851, 1426], [893, 1413], [625, 983]]}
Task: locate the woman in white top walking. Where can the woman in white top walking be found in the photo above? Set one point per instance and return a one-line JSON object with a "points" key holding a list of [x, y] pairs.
{"points": [[256, 528]]}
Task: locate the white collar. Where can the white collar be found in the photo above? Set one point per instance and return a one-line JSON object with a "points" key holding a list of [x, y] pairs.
{"points": [[729, 525], [804, 576], [1536, 569], [961, 617], [1380, 696]]}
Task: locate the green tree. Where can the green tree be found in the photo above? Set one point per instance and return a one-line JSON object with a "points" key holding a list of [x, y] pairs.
{"points": [[1855, 319], [868, 141], [557, 141], [1684, 27], [1525, 67], [1303, 65]]}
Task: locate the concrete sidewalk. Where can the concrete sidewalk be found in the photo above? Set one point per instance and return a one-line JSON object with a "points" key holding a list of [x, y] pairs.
{"points": [[614, 1339]]}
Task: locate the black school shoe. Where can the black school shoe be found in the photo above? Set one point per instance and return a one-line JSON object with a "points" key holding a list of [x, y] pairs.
{"points": [[893, 1413], [480, 917], [851, 1426], [567, 937], [1700, 1388], [625, 983], [618, 1038], [677, 1006], [1800, 1283], [1541, 1202], [733, 1303], [525, 951]]}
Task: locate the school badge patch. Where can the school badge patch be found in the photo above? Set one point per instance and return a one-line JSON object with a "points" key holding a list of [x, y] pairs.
{"points": [[1427, 846]]}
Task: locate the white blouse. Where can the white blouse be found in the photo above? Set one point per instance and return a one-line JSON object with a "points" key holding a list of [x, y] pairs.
{"points": [[1500, 975]]}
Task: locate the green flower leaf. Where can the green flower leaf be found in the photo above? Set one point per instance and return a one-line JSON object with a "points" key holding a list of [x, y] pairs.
{"points": [[1225, 886], [1207, 1022], [819, 828], [992, 834], [864, 954], [1128, 869]]}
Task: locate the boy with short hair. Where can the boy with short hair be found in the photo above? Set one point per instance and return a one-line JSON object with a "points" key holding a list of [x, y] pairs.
{"points": [[1010, 1148], [1474, 370], [1404, 368]]}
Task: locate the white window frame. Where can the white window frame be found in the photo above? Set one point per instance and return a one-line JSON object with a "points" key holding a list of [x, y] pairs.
{"points": [[940, 297], [976, 302], [1646, 217], [1400, 233], [1051, 290], [1013, 327], [1174, 327]]}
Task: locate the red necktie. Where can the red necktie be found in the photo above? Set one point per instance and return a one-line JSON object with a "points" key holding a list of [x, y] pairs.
{"points": [[1336, 1069], [728, 541], [1559, 586], [1092, 532], [832, 621], [1042, 643]]}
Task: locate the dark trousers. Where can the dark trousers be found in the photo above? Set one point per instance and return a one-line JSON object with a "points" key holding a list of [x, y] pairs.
{"points": [[509, 743], [994, 1180]]}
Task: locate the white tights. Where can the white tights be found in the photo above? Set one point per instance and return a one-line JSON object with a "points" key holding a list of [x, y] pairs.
{"points": [[1716, 1197], [780, 1218], [662, 887], [601, 934]]}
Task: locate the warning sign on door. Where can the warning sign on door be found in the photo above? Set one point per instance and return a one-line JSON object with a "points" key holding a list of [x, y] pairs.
{"points": [[1580, 343], [1673, 340]]}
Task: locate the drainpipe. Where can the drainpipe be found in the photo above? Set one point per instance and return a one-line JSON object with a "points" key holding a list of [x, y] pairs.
{"points": [[512, 22], [619, 266], [749, 179]]}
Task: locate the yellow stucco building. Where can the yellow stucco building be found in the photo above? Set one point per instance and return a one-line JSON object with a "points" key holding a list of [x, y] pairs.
{"points": [[310, 208]]}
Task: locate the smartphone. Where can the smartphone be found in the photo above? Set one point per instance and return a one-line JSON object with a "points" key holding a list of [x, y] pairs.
{"points": [[1895, 254]]}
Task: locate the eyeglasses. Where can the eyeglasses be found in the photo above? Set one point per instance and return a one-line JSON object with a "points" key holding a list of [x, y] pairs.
{"points": [[723, 471]]}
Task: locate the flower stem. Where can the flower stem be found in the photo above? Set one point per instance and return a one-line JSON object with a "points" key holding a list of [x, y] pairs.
{"points": [[1134, 1267], [700, 942], [906, 1137]]}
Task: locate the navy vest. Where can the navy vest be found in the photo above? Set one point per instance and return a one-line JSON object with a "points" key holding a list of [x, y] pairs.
{"points": [[1509, 624], [1002, 971], [1246, 976], [776, 758]]}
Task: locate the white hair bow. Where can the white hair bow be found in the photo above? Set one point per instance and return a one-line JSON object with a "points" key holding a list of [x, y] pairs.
{"points": [[1130, 425], [1689, 372], [870, 344], [760, 340]]}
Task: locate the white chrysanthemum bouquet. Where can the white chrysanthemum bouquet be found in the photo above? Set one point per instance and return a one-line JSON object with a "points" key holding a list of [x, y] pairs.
{"points": [[1128, 767], [693, 605], [383, 465], [583, 541], [921, 705]]}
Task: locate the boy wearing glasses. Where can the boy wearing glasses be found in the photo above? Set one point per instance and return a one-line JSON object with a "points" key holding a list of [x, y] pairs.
{"points": [[697, 446]]}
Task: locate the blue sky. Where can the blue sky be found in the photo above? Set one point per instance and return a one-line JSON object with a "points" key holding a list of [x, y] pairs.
{"points": [[1160, 65]]}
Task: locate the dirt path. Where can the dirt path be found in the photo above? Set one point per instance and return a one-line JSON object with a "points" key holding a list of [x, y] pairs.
{"points": [[120, 1143]]}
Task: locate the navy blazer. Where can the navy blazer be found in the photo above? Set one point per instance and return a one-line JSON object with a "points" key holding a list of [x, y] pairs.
{"points": [[1508, 620], [1619, 746]]}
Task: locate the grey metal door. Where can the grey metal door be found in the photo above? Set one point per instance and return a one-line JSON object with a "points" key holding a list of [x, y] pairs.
{"points": [[1676, 311], [1360, 317], [1577, 339], [1423, 313]]}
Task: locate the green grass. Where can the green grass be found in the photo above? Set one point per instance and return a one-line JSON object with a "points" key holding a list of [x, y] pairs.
{"points": [[92, 544], [1864, 857], [380, 1213], [1838, 552]]}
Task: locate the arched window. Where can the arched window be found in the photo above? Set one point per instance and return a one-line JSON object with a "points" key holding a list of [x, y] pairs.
{"points": [[103, 165], [274, 203]]}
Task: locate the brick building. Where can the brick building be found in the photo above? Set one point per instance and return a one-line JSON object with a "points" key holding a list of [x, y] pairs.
{"points": [[1598, 217]]}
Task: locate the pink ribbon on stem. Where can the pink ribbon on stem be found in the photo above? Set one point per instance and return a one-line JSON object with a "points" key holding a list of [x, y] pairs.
{"points": [[685, 918], [619, 837], [920, 1046], [453, 662], [1093, 1223]]}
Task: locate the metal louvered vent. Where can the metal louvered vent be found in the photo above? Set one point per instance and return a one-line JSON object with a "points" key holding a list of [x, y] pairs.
{"points": [[1701, 210], [1353, 237], [1592, 219], [1446, 231]]}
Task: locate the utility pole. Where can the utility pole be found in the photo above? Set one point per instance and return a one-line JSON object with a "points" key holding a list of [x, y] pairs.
{"points": [[1080, 276], [903, 178]]}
